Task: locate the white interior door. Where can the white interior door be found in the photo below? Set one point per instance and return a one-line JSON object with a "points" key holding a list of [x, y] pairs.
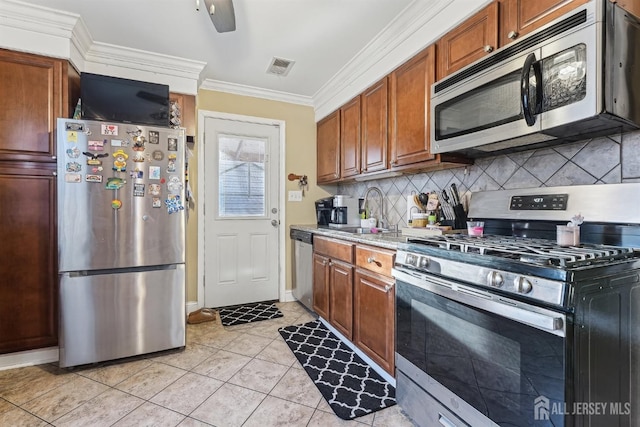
{"points": [[241, 217]]}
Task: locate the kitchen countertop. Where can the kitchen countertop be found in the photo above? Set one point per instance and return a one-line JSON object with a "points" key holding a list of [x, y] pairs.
{"points": [[388, 240]]}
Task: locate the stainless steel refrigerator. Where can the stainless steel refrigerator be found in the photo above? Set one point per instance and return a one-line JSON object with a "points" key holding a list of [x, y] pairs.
{"points": [[121, 234]]}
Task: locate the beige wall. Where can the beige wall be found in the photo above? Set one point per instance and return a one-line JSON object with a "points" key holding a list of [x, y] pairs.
{"points": [[300, 149]]}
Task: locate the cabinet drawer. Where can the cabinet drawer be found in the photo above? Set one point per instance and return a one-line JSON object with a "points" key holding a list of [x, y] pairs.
{"points": [[375, 259], [333, 248]]}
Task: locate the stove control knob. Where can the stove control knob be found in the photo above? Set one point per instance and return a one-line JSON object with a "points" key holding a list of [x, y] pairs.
{"points": [[523, 285], [495, 279], [412, 259], [424, 262]]}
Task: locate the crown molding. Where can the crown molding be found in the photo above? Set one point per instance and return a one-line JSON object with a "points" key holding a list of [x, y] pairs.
{"points": [[50, 32], [410, 32], [141, 60], [256, 92]]}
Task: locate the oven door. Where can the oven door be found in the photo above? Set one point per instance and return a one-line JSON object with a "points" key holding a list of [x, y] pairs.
{"points": [[488, 359]]}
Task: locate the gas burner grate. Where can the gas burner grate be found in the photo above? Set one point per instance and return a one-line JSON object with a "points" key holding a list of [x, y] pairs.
{"points": [[527, 250]]}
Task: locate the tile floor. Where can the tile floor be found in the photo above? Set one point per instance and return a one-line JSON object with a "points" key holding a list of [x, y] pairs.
{"points": [[243, 375]]}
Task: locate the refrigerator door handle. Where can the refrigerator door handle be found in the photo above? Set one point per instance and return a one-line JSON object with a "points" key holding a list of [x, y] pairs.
{"points": [[85, 273]]}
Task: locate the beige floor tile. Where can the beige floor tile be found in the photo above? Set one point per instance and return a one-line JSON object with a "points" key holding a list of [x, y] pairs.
{"points": [[103, 410], [113, 373], [21, 385], [187, 393], [192, 422], [391, 417], [259, 375], [222, 365], [230, 406], [150, 415], [278, 352], [59, 401], [274, 412], [216, 338], [326, 419], [268, 329], [187, 359], [296, 386], [151, 380], [248, 345], [305, 318], [17, 417], [6, 406]]}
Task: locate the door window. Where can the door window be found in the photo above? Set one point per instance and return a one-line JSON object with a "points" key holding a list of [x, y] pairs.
{"points": [[241, 181]]}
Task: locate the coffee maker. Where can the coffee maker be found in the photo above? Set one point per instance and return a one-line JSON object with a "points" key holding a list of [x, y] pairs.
{"points": [[324, 209], [346, 212]]}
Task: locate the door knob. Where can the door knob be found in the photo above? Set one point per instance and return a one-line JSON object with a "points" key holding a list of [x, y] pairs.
{"points": [[275, 222]]}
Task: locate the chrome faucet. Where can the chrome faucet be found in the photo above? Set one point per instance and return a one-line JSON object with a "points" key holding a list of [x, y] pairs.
{"points": [[382, 218]]}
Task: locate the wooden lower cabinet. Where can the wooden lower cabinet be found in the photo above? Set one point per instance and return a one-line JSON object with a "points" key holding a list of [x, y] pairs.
{"points": [[28, 289], [321, 285], [353, 290], [341, 297], [374, 302]]}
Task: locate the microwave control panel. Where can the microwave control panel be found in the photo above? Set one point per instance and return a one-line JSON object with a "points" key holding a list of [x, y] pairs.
{"points": [[547, 202]]}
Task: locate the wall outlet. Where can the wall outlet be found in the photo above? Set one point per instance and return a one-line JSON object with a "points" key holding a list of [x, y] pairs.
{"points": [[295, 195]]}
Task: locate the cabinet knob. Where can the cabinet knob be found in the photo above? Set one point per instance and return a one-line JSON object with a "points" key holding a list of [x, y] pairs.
{"points": [[54, 158], [387, 288], [324, 262], [512, 35], [54, 173], [488, 48]]}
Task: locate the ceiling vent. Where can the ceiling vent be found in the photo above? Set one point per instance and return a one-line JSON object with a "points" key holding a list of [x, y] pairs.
{"points": [[280, 66]]}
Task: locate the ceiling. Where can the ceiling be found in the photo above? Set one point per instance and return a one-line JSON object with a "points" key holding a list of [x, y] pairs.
{"points": [[321, 36]]}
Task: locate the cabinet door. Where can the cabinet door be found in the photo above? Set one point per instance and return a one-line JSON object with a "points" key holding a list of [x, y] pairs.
{"points": [[328, 148], [409, 97], [321, 285], [350, 138], [374, 127], [28, 289], [341, 297], [470, 41], [35, 92], [520, 17], [375, 317]]}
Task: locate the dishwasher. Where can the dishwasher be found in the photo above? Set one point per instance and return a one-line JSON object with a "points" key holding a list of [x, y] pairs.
{"points": [[302, 280]]}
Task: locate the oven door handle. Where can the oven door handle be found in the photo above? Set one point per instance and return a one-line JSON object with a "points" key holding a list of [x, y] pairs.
{"points": [[540, 318]]}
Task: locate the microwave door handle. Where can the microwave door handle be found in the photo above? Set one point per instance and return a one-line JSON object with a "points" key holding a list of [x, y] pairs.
{"points": [[529, 116]]}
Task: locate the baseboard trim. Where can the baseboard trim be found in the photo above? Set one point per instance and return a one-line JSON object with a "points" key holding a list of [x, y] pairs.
{"points": [[288, 296], [191, 306], [29, 358]]}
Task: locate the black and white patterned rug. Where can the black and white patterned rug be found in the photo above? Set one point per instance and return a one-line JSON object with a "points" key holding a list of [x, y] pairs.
{"points": [[247, 313], [351, 387]]}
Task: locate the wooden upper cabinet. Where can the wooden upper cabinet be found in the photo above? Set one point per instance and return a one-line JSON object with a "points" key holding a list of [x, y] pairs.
{"points": [[521, 17], [350, 138], [328, 150], [409, 100], [473, 39], [374, 127], [35, 93]]}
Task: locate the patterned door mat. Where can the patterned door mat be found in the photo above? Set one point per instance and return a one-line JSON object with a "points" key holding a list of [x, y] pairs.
{"points": [[351, 387], [247, 313]]}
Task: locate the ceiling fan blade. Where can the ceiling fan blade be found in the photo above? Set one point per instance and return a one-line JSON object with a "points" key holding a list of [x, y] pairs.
{"points": [[224, 18]]}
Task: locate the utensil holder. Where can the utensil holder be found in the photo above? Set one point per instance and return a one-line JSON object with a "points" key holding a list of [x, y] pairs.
{"points": [[460, 217]]}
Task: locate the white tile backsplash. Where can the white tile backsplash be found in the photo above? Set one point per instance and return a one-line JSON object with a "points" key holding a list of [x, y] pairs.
{"points": [[603, 160]]}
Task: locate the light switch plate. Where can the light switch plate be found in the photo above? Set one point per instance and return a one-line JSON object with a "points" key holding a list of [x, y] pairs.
{"points": [[295, 195]]}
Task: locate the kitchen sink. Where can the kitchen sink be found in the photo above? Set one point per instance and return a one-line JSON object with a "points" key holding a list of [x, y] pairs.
{"points": [[363, 230]]}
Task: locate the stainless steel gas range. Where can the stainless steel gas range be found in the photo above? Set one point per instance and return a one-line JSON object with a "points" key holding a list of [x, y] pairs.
{"points": [[511, 329]]}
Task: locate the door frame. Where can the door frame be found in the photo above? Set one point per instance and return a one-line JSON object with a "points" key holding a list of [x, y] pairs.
{"points": [[202, 116]]}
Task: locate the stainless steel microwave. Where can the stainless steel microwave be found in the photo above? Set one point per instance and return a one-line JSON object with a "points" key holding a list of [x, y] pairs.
{"points": [[575, 78]]}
